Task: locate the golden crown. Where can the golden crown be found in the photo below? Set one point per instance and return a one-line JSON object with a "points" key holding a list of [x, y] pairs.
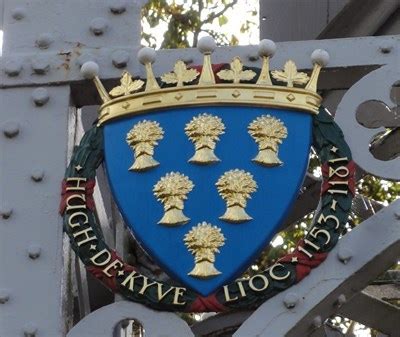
{"points": [[187, 86]]}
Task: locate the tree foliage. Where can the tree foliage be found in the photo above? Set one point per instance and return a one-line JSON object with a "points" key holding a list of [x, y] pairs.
{"points": [[186, 20]]}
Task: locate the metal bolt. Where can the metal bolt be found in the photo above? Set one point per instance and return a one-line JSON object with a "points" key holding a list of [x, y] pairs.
{"points": [[4, 296], [5, 211], [85, 57], [344, 255], [44, 40], [253, 57], [341, 300], [18, 13], [120, 58], [34, 251], [37, 174], [12, 67], [40, 65], [187, 59], [291, 300], [98, 26], [118, 6], [317, 322], [30, 330], [10, 129], [386, 48], [40, 96]]}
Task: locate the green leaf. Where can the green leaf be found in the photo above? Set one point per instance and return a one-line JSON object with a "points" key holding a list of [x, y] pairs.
{"points": [[222, 20]]}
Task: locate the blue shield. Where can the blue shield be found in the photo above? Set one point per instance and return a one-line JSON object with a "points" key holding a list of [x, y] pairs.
{"points": [[148, 212]]}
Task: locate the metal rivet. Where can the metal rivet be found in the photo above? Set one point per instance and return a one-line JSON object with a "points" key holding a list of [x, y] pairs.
{"points": [[12, 67], [10, 129], [85, 57], [37, 174], [344, 255], [5, 211], [253, 57], [40, 96], [317, 322], [120, 58], [18, 13], [30, 330], [4, 296], [98, 26], [118, 6], [291, 300], [44, 40], [187, 59], [386, 48], [341, 300], [40, 65], [34, 251]]}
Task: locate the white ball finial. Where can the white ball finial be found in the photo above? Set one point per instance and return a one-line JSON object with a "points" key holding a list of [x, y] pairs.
{"points": [[146, 55], [206, 45], [89, 70], [266, 48], [320, 57]]}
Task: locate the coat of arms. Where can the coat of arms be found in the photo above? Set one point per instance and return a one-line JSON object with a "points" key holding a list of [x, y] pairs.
{"points": [[204, 164]]}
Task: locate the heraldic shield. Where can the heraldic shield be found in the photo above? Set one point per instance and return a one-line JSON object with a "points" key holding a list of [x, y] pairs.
{"points": [[214, 185], [205, 168]]}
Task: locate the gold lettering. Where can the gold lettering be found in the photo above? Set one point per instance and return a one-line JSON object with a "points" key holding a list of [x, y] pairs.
{"points": [[146, 285], [241, 288], [115, 265], [78, 196], [305, 251], [314, 232], [276, 277], [77, 182], [179, 292], [312, 244], [263, 278], [101, 263], [131, 279], [85, 232], [340, 183], [73, 225], [160, 293], [337, 192], [227, 295], [325, 219], [339, 172], [338, 159]]}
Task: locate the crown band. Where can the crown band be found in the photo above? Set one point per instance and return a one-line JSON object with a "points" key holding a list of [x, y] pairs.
{"points": [[227, 93]]}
